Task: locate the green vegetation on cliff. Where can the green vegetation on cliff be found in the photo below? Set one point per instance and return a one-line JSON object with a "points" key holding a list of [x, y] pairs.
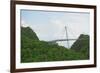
{"points": [[34, 50]]}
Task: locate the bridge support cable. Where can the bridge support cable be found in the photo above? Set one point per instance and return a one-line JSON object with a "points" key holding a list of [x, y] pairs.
{"points": [[67, 36], [73, 35]]}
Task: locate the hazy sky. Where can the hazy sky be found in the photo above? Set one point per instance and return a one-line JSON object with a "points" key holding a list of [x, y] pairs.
{"points": [[51, 25]]}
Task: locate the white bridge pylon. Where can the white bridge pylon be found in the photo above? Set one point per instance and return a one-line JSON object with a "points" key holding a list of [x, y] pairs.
{"points": [[67, 38]]}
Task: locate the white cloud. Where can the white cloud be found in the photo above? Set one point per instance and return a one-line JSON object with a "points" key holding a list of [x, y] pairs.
{"points": [[24, 24]]}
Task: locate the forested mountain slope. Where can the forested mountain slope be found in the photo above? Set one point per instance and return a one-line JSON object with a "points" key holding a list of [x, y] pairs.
{"points": [[34, 50]]}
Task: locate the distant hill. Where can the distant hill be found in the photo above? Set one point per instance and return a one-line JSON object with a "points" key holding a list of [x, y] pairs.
{"points": [[27, 37], [34, 50], [29, 33], [82, 44]]}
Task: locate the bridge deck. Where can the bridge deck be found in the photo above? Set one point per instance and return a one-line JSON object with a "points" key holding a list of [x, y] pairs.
{"points": [[65, 40]]}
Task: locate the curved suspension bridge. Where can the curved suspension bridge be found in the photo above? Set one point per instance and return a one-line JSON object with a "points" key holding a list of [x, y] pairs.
{"points": [[67, 38]]}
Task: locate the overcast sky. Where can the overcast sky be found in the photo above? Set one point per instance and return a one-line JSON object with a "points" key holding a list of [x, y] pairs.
{"points": [[51, 25]]}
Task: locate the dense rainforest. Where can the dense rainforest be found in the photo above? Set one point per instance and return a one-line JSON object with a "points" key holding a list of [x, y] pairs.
{"points": [[35, 50]]}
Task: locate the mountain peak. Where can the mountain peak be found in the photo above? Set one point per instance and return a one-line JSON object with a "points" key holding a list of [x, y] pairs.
{"points": [[29, 33], [81, 43]]}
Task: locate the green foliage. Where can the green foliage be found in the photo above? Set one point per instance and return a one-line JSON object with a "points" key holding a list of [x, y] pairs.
{"points": [[29, 33], [82, 45], [34, 50], [81, 42]]}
